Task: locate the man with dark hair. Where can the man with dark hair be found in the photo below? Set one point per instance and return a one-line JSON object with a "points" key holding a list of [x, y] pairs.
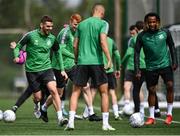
{"points": [[158, 45], [89, 44], [129, 79], [65, 39], [132, 30], [39, 44], [138, 97]]}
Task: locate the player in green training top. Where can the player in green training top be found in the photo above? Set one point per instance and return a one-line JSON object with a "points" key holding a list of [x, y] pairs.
{"points": [[129, 80], [161, 60], [38, 66], [112, 74], [65, 39], [89, 44]]}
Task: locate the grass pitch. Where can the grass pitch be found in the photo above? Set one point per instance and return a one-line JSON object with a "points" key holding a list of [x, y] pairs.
{"points": [[27, 124]]}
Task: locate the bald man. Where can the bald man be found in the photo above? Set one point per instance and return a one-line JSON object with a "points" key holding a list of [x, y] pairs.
{"points": [[89, 44]]}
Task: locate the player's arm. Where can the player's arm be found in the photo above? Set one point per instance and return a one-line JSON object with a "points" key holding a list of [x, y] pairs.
{"points": [[76, 44], [65, 52], [117, 59], [58, 55], [137, 50], [19, 46], [62, 39], [128, 53], [172, 50], [116, 56], [104, 44]]}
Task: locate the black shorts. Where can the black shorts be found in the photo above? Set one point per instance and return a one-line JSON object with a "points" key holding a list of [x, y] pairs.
{"points": [[95, 72], [38, 79], [153, 76], [112, 84], [129, 75], [61, 82]]}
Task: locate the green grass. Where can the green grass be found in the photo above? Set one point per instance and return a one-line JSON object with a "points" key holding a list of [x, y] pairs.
{"points": [[26, 124]]}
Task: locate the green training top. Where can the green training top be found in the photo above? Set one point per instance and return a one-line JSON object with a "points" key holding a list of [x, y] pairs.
{"points": [[128, 59], [114, 53], [38, 48], [88, 33], [155, 45], [65, 39]]}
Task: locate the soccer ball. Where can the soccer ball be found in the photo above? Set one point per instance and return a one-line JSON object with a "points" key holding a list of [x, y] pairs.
{"points": [[128, 109], [136, 120], [22, 57], [1, 115], [9, 116]]}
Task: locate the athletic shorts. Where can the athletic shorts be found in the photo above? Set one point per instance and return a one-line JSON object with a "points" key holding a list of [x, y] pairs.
{"points": [[61, 82], [38, 79], [129, 75], [85, 72], [112, 84], [153, 76]]}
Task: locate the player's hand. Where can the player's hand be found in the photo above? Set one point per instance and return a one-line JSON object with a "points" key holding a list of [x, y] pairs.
{"points": [[63, 73], [117, 74], [108, 66], [138, 74], [174, 67], [13, 45], [16, 60]]}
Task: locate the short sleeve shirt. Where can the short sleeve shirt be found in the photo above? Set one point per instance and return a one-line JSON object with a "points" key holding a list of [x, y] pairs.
{"points": [[88, 33]]}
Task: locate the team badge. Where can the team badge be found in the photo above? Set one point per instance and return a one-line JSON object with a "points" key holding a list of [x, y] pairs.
{"points": [[36, 42], [161, 36], [49, 42]]}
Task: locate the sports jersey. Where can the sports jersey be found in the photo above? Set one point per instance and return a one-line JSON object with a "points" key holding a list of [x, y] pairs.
{"points": [[89, 46], [38, 48], [65, 39], [155, 45], [128, 59], [114, 53]]}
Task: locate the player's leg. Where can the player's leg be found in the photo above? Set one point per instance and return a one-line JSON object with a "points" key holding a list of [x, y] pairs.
{"points": [[137, 92], [52, 87], [99, 76], [141, 96], [167, 75], [111, 87], [128, 82], [79, 80], [89, 104], [37, 97], [157, 112], [63, 98], [24, 96], [73, 105], [152, 81], [34, 85]]}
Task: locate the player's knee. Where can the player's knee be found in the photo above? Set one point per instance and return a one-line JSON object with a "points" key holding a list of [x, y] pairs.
{"points": [[53, 91], [37, 98], [169, 85], [152, 90]]}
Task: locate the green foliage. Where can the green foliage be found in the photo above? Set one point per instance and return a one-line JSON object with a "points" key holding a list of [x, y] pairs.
{"points": [[11, 13]]}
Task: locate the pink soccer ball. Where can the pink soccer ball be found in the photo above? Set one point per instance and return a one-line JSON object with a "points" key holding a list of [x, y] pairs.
{"points": [[22, 57]]}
